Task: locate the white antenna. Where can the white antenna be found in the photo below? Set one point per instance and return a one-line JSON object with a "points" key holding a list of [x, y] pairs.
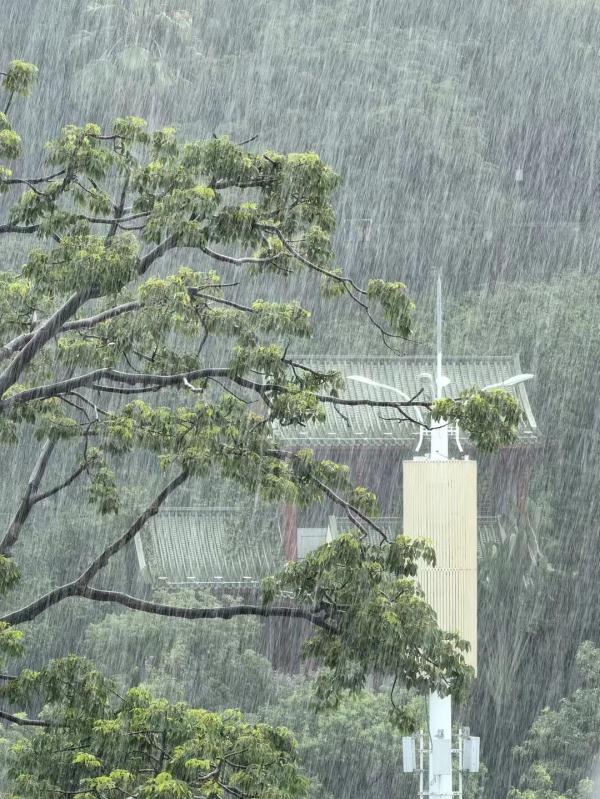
{"points": [[439, 433], [375, 384], [510, 381]]}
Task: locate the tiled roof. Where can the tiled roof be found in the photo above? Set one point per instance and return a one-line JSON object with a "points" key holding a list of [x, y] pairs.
{"points": [[350, 426], [490, 531], [192, 546]]}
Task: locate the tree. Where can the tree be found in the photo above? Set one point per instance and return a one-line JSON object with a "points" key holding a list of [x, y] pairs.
{"points": [[100, 322], [214, 665], [559, 752], [150, 44], [101, 744], [354, 752]]}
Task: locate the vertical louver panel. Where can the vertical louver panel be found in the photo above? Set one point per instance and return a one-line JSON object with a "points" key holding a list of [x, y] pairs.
{"points": [[440, 503]]}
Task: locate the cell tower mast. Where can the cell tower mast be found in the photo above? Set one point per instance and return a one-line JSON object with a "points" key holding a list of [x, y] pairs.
{"points": [[440, 503]]}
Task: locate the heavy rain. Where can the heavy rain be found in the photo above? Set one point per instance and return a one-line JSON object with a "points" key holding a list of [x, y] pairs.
{"points": [[299, 428]]}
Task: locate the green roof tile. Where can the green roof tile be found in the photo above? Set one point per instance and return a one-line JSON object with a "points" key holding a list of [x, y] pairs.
{"points": [[193, 546]]}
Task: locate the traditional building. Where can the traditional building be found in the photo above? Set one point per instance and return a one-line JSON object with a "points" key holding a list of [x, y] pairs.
{"points": [[373, 441], [222, 548]]}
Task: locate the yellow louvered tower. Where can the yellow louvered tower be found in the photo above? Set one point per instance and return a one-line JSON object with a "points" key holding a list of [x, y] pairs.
{"points": [[440, 503]]}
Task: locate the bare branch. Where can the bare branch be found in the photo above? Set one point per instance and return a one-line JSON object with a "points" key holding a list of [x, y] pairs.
{"points": [[100, 562], [228, 612], [118, 210], [193, 292], [78, 586], [246, 141], [103, 316], [61, 486], [9, 102], [41, 336], [228, 259], [147, 260], [23, 722], [9, 228], [119, 390], [114, 221], [14, 529], [32, 181]]}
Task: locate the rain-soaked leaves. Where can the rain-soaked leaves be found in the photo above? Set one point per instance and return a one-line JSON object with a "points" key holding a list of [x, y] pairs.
{"points": [[172, 751], [375, 618], [466, 136]]}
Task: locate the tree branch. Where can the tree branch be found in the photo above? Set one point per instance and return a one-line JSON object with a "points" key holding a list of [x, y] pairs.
{"points": [[108, 373], [347, 282], [77, 324], [80, 587], [32, 181], [41, 336], [310, 264], [228, 259], [352, 511], [23, 722], [14, 529], [348, 507], [100, 562], [154, 382], [11, 97], [193, 292], [70, 479], [102, 316], [147, 260], [77, 587], [8, 228], [228, 612], [114, 221]]}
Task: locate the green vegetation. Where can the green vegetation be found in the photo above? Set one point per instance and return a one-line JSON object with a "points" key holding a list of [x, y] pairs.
{"points": [[467, 139], [121, 319], [562, 745]]}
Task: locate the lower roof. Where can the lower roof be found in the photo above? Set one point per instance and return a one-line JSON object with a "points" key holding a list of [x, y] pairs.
{"points": [[193, 546]]}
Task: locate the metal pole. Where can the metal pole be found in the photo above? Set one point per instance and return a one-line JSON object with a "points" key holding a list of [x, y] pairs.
{"points": [[421, 764], [439, 432], [439, 322], [440, 721], [460, 763], [440, 708]]}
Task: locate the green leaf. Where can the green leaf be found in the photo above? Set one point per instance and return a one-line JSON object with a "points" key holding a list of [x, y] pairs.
{"points": [[10, 144], [20, 77]]}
